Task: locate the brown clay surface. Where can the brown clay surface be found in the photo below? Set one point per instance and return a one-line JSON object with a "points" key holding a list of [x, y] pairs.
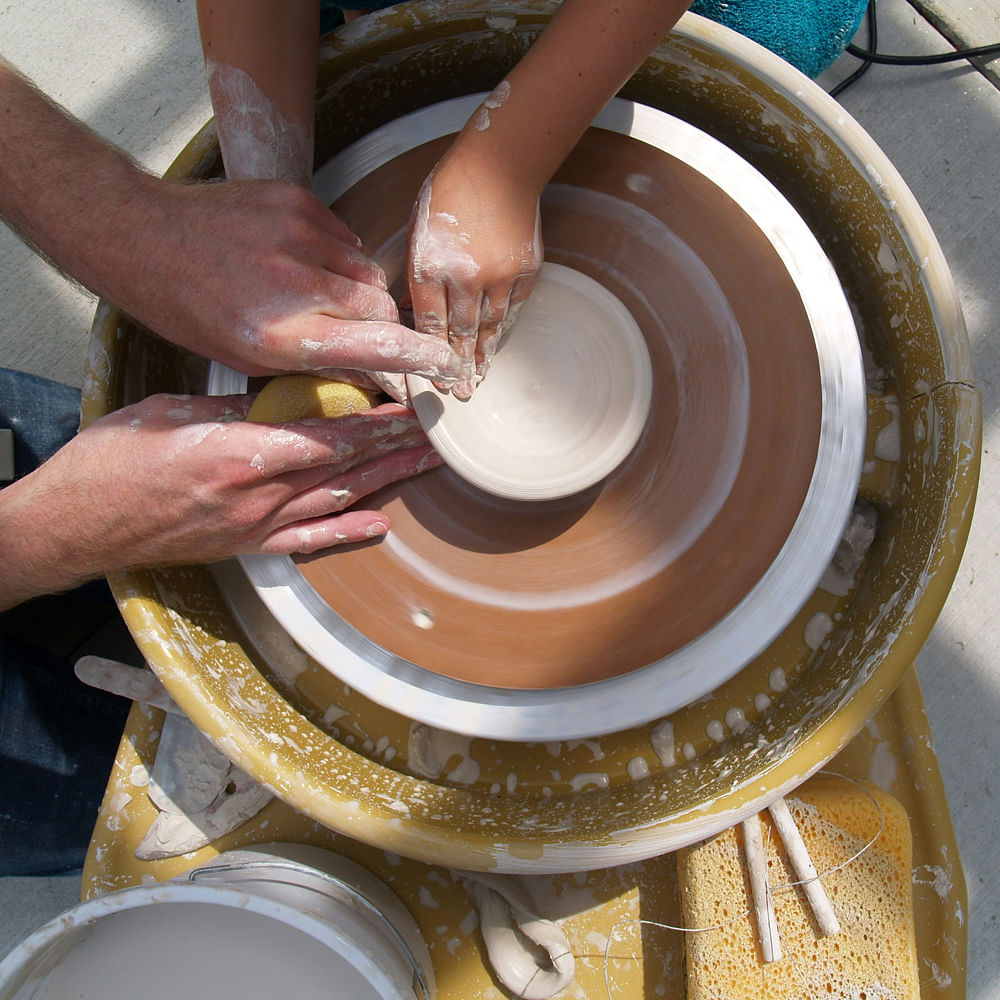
{"points": [[567, 592]]}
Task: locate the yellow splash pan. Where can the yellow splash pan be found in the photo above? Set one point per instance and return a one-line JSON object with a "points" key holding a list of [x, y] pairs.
{"points": [[349, 765], [620, 921]]}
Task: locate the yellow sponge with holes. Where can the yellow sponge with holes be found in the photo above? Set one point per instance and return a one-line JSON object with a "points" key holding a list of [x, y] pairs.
{"points": [[298, 397], [872, 957]]}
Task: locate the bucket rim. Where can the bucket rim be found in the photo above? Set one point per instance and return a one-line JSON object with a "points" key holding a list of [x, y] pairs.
{"points": [[72, 927]]}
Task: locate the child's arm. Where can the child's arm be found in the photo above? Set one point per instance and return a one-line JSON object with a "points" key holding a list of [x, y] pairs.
{"points": [[260, 57], [475, 247]]}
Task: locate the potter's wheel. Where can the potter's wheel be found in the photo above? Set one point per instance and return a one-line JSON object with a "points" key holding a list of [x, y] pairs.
{"points": [[557, 620], [406, 788]]}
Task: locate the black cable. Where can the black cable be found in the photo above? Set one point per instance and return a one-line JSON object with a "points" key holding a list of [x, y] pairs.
{"points": [[872, 56], [867, 64], [941, 57]]}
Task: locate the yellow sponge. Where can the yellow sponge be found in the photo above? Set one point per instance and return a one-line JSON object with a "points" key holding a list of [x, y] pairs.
{"points": [[298, 397], [873, 955]]}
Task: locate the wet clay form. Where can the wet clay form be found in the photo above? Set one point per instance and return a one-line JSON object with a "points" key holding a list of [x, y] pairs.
{"points": [[563, 404], [624, 601]]}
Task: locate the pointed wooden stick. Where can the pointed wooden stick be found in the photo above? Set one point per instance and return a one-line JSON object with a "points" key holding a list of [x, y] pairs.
{"points": [[804, 869], [760, 888]]}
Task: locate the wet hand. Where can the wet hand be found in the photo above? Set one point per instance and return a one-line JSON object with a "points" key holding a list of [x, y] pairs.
{"points": [[263, 277], [474, 255], [174, 480]]}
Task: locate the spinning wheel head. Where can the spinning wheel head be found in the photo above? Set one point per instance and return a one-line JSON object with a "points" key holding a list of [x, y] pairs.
{"points": [[622, 600]]}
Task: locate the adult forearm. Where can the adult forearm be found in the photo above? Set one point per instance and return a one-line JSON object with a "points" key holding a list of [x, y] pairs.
{"points": [[36, 548], [67, 192]]}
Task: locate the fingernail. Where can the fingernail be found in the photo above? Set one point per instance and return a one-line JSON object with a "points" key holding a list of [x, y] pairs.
{"points": [[462, 390]]}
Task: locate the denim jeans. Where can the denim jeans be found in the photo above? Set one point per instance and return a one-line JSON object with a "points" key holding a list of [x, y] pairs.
{"points": [[58, 737]]}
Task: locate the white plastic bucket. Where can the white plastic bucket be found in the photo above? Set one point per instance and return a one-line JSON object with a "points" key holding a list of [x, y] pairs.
{"points": [[260, 924]]}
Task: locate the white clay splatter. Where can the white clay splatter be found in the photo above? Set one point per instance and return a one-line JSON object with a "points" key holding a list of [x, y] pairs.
{"points": [[736, 720], [139, 776], [938, 878], [840, 576], [594, 746], [888, 442], [637, 768], [817, 629], [639, 183], [334, 714], [257, 140], [661, 738], [497, 99], [589, 779], [504, 24], [882, 766], [430, 751]]}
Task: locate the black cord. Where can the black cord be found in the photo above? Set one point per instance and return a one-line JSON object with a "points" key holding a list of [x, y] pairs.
{"points": [[941, 57], [867, 64], [872, 56]]}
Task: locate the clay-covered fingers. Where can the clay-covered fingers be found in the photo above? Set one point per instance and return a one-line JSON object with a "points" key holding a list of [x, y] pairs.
{"points": [[464, 313], [428, 301], [349, 262], [393, 384], [475, 323], [174, 480], [178, 409], [499, 311], [450, 311], [266, 279], [324, 342], [499, 316], [336, 445], [354, 321], [322, 468], [319, 517], [475, 248]]}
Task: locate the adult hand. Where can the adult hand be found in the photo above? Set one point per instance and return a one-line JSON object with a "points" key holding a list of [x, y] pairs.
{"points": [[475, 252], [257, 274], [262, 276], [174, 480]]}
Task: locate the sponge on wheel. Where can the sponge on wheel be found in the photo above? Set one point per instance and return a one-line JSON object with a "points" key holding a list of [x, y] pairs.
{"points": [[299, 397]]}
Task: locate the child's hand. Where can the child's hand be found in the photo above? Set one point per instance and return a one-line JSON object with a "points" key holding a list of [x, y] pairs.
{"points": [[475, 252]]}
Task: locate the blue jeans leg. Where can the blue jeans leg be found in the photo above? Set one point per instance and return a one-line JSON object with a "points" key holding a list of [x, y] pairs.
{"points": [[58, 741], [58, 738], [43, 415]]}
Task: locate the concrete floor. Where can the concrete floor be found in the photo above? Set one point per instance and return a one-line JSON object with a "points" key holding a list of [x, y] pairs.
{"points": [[131, 69]]}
